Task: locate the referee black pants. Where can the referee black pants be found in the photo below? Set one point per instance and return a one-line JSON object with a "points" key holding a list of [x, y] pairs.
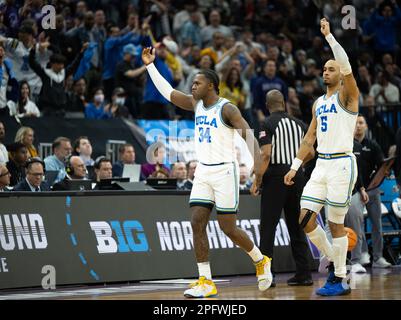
{"points": [[276, 196]]}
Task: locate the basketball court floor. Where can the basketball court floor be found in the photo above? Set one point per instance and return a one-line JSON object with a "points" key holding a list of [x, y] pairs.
{"points": [[377, 284]]}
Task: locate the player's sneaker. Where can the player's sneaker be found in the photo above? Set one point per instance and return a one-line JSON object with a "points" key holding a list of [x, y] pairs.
{"points": [[336, 287], [203, 288], [263, 273]]}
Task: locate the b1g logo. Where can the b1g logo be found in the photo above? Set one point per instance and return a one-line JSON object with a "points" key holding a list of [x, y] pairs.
{"points": [[113, 237]]}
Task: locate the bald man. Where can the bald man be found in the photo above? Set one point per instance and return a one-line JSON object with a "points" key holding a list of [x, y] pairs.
{"points": [[279, 139], [75, 169]]}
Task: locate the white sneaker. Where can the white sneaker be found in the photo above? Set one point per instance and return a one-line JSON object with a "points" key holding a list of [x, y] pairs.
{"points": [[323, 264], [365, 258], [381, 263], [264, 274], [357, 268], [202, 288]]}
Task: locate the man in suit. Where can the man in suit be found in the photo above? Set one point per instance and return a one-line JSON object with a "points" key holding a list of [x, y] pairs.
{"points": [[35, 170], [4, 177], [75, 170]]}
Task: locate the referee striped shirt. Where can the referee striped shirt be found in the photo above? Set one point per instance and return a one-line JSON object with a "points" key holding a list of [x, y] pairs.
{"points": [[285, 134]]}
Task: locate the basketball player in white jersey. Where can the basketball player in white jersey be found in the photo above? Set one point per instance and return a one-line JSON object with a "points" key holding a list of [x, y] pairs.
{"points": [[216, 180], [332, 180]]}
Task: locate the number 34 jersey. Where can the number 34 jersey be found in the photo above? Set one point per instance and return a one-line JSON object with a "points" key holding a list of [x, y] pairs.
{"points": [[335, 125], [214, 139]]}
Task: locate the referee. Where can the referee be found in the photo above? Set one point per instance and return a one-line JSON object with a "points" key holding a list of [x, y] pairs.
{"points": [[280, 137]]}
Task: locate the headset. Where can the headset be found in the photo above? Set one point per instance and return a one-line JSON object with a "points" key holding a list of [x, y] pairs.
{"points": [[68, 168], [33, 160], [99, 161]]}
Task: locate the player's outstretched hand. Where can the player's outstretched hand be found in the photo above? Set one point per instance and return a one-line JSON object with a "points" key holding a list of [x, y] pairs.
{"points": [[324, 27], [148, 55], [289, 176]]}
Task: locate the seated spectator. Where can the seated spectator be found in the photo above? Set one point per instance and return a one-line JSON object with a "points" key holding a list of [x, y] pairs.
{"points": [[77, 98], [155, 155], [179, 172], [127, 156], [3, 149], [293, 107], [75, 170], [214, 27], [16, 163], [24, 106], [245, 182], [4, 177], [96, 109], [160, 173], [61, 148], [117, 107], [33, 181], [26, 135], [83, 149], [103, 168], [191, 167], [384, 92]]}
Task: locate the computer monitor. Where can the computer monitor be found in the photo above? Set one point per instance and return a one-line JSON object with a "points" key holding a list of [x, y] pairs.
{"points": [[162, 183], [132, 171], [79, 184], [110, 184]]}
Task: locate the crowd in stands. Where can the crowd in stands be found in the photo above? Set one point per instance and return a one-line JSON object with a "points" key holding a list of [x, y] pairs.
{"points": [[90, 64]]}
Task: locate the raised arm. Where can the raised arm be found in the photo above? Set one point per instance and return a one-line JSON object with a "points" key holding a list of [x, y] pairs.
{"points": [[349, 92], [305, 149], [232, 115], [178, 98]]}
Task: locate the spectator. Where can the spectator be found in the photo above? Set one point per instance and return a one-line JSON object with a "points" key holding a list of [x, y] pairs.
{"points": [[206, 62], [155, 155], [7, 79], [53, 98], [293, 105], [179, 172], [75, 170], [18, 52], [300, 64], [24, 107], [264, 84], [393, 78], [382, 26], [61, 148], [210, 30], [190, 33], [3, 149], [384, 92], [216, 50], [306, 100], [103, 168], [127, 156], [16, 162], [316, 51], [245, 182], [191, 167], [160, 173], [33, 182], [364, 80], [117, 107], [132, 24], [4, 177], [154, 104], [130, 76], [26, 136], [183, 16], [287, 57], [96, 109], [113, 53], [77, 99], [83, 149], [231, 88]]}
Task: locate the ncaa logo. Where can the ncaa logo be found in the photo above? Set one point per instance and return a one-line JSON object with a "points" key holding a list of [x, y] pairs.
{"points": [[113, 236]]}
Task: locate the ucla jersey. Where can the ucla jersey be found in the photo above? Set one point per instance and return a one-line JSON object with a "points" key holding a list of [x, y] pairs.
{"points": [[214, 140], [335, 125]]}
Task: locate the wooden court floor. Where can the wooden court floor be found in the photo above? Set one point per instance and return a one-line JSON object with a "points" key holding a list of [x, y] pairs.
{"points": [[377, 284]]}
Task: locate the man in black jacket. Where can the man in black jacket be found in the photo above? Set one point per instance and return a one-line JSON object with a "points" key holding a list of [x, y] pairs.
{"points": [[75, 170], [16, 163], [33, 181], [53, 97]]}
